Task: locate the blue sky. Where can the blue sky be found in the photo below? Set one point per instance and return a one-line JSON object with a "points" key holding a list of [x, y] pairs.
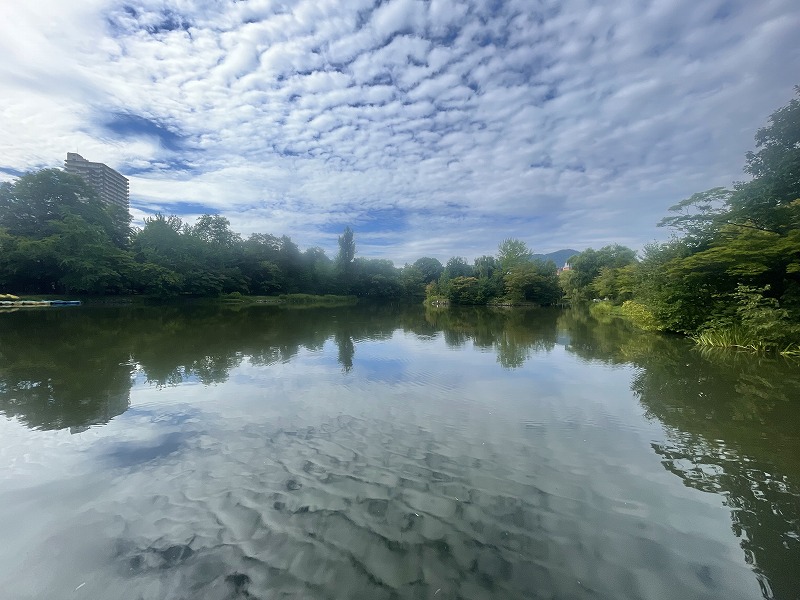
{"points": [[431, 127]]}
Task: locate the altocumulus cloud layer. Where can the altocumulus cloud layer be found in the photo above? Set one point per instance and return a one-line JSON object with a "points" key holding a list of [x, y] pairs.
{"points": [[432, 127]]}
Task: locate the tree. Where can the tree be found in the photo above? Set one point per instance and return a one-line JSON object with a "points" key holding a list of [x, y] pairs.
{"points": [[700, 216], [345, 260], [747, 238], [512, 252], [32, 205], [586, 266], [89, 262], [680, 300], [775, 169], [290, 261], [259, 264], [319, 269], [457, 267], [413, 281], [465, 290], [376, 277], [616, 284], [60, 237], [533, 281], [430, 268], [347, 249], [215, 230], [485, 266]]}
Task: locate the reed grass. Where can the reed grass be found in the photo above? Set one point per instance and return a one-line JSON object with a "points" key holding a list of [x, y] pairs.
{"points": [[737, 337]]}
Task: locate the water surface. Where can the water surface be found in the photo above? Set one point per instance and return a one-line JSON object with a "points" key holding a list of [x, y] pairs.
{"points": [[383, 451]]}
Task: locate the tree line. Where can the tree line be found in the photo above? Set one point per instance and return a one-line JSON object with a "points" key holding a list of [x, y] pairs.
{"points": [[58, 237], [730, 273]]}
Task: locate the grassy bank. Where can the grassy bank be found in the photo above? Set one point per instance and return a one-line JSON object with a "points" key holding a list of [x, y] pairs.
{"points": [[732, 337], [294, 300], [298, 300], [634, 312]]}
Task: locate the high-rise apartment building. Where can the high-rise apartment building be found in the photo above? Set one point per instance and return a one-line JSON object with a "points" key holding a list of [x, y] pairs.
{"points": [[110, 185]]}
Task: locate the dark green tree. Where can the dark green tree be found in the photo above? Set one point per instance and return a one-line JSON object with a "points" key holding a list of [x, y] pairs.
{"points": [[259, 264], [775, 168], [32, 205], [215, 230], [344, 260], [485, 266], [533, 281], [586, 266], [347, 249], [430, 268], [457, 267]]}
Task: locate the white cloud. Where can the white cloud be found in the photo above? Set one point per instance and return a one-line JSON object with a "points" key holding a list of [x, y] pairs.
{"points": [[564, 123]]}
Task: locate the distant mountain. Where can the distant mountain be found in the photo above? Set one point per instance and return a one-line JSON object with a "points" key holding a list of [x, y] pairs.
{"points": [[560, 257]]}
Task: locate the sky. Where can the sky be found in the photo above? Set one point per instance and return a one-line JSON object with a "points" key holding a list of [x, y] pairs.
{"points": [[430, 127]]}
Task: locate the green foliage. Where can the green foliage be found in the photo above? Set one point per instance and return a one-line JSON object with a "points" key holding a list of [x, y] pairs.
{"points": [[640, 316], [315, 299], [733, 277], [215, 230], [775, 168], [376, 278], [594, 273], [616, 284], [532, 281], [436, 294], [34, 205], [511, 253], [485, 267], [347, 249], [699, 216], [457, 266], [413, 281], [733, 265], [679, 299], [430, 268], [759, 323], [465, 290], [57, 237], [345, 262]]}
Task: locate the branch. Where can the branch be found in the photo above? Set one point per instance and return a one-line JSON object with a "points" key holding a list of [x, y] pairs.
{"points": [[757, 228]]}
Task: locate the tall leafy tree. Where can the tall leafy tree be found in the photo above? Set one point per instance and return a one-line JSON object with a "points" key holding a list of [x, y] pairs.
{"points": [[775, 168], [457, 266], [259, 264], [347, 249], [345, 260], [586, 267], [36, 202], [216, 230], [319, 269], [747, 238], [512, 252], [533, 281], [59, 236], [485, 266], [430, 268]]}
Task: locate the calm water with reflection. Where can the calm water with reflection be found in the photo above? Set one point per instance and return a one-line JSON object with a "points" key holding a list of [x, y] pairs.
{"points": [[389, 452]]}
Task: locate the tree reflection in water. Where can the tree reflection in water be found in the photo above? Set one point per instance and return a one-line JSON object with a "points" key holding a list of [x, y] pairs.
{"points": [[731, 421]]}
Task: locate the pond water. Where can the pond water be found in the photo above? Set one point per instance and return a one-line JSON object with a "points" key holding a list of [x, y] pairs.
{"points": [[385, 451]]}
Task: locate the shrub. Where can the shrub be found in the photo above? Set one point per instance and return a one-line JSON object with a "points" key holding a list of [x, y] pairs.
{"points": [[640, 316]]}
